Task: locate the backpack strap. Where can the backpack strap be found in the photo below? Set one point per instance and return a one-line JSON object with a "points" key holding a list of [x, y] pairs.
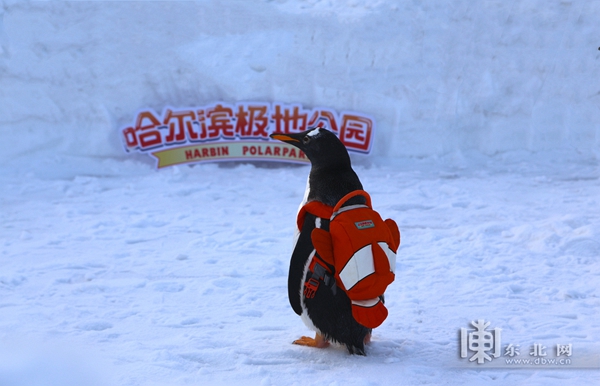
{"points": [[318, 270], [339, 208], [315, 208]]}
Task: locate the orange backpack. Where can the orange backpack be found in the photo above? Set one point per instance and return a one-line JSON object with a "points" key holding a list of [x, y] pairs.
{"points": [[362, 249]]}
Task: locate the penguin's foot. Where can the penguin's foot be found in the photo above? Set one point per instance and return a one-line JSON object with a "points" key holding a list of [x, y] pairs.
{"points": [[319, 341], [367, 338]]}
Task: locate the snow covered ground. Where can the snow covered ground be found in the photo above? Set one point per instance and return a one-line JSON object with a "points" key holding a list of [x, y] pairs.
{"points": [[486, 155], [179, 276]]}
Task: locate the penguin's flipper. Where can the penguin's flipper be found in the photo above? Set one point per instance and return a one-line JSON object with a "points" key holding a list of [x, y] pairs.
{"points": [[321, 239], [318, 341]]}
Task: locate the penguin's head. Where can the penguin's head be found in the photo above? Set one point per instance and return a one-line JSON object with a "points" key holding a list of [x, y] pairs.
{"points": [[321, 146]]}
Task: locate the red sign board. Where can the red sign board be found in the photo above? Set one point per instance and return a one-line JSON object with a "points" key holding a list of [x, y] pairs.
{"points": [[226, 132]]}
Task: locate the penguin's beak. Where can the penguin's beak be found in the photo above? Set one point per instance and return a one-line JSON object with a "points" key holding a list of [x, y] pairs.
{"points": [[284, 138]]}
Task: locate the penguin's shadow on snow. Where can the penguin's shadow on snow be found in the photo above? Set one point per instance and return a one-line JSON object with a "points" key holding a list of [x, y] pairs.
{"points": [[378, 351]]}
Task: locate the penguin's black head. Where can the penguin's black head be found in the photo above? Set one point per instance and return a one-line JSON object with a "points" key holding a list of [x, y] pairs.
{"points": [[321, 146]]}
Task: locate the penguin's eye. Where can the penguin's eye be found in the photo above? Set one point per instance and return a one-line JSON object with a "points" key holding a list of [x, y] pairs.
{"points": [[306, 139]]}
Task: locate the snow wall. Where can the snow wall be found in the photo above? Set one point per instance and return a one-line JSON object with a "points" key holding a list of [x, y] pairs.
{"points": [[440, 78]]}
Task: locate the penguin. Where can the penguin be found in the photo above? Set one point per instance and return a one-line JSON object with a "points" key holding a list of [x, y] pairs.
{"points": [[331, 177]]}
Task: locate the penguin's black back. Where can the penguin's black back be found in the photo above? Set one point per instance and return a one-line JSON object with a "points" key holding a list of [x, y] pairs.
{"points": [[329, 185], [331, 175]]}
